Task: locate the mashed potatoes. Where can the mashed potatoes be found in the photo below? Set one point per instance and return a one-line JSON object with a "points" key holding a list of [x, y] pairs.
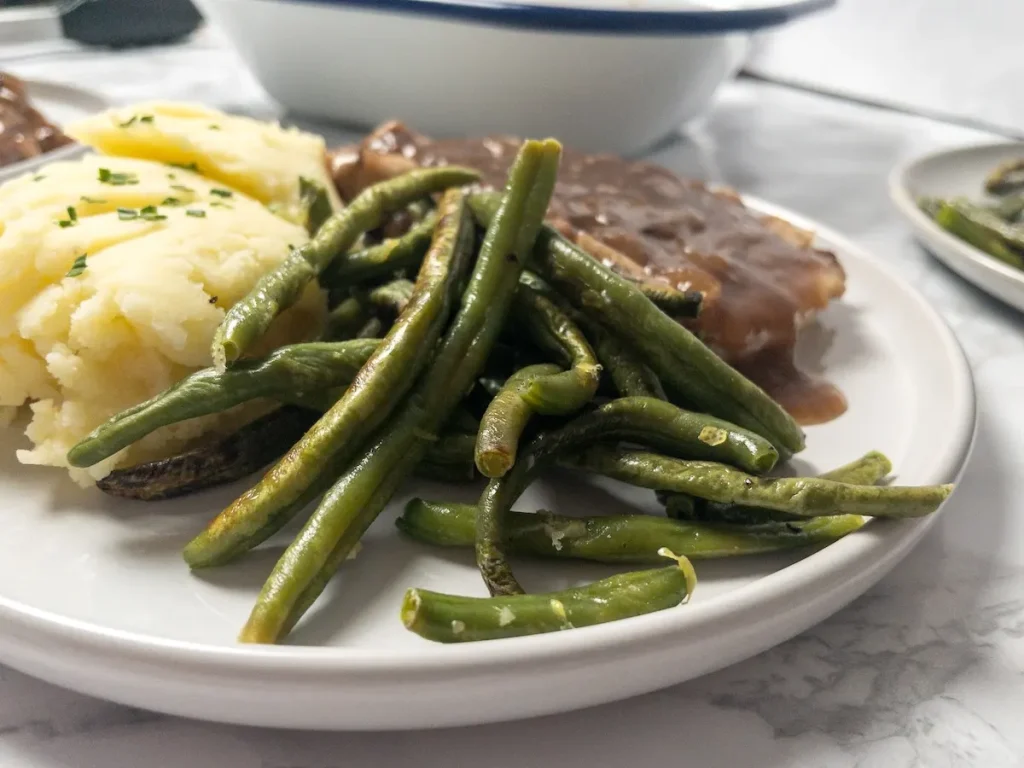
{"points": [[263, 160], [115, 271]]}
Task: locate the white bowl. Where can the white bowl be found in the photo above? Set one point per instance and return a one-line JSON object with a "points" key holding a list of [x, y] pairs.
{"points": [[612, 79]]}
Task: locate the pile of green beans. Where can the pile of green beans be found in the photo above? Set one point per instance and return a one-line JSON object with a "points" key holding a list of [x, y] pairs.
{"points": [[482, 345], [995, 227]]}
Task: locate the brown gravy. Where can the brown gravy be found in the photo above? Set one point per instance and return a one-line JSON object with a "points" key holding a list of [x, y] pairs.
{"points": [[24, 132]]}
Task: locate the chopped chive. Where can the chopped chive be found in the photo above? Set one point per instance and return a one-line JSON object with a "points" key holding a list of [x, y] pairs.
{"points": [[146, 119], [221, 192], [64, 223], [127, 214], [171, 176], [171, 201], [181, 187], [213, 127], [195, 212], [130, 121], [186, 166], [77, 266], [106, 176], [92, 200], [72, 213], [38, 177], [219, 204], [150, 213]]}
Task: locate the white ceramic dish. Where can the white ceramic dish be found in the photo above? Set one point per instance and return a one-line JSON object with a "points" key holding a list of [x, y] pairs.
{"points": [[611, 76], [94, 595], [60, 104], [958, 173]]}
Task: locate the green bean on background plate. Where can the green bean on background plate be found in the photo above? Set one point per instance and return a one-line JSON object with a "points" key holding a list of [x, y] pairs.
{"points": [[456, 619], [358, 496], [1006, 178], [377, 389], [984, 230], [633, 538], [280, 288]]}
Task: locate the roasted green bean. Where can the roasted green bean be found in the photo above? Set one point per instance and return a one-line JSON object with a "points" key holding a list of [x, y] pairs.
{"points": [[378, 387], [394, 255], [216, 463], [1006, 178], [867, 470], [801, 496], [617, 538], [505, 419], [279, 289], [552, 330], [298, 368], [984, 230], [361, 492], [316, 205], [455, 619], [682, 363], [673, 302], [392, 297], [645, 420]]}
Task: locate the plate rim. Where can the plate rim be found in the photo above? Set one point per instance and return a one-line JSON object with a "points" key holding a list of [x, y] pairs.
{"points": [[927, 230], [574, 19], [369, 666]]}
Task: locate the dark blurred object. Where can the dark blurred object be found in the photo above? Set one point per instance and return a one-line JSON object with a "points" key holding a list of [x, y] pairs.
{"points": [[123, 23], [24, 133]]}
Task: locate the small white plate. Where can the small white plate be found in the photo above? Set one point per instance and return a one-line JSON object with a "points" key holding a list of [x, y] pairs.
{"points": [[958, 173], [94, 595], [60, 104]]}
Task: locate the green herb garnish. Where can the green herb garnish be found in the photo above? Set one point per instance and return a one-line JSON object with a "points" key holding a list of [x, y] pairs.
{"points": [[127, 214], [171, 201], [221, 192], [71, 220], [107, 176], [38, 177], [92, 200], [181, 187], [196, 213], [146, 119], [72, 213], [130, 121], [77, 266], [219, 204], [213, 127], [150, 213], [186, 166]]}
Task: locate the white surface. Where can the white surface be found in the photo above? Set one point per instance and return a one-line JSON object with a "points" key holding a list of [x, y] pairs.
{"points": [[594, 91], [958, 173], [59, 104], [923, 671], [22, 24], [117, 614], [947, 57]]}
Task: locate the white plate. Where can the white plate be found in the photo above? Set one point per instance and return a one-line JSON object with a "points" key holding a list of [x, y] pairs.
{"points": [[94, 595], [958, 173], [60, 104]]}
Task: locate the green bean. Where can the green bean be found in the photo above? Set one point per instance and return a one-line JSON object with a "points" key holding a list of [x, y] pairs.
{"points": [[316, 205], [673, 302], [616, 538], [394, 255], [641, 419], [392, 297], [680, 360], [984, 230], [347, 319], [453, 448], [1009, 209], [361, 492], [293, 369], [505, 419], [1006, 178], [377, 389], [456, 619], [801, 496], [552, 330], [216, 463], [450, 472], [867, 470], [279, 289]]}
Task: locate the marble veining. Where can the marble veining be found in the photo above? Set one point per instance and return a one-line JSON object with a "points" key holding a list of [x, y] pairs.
{"points": [[924, 671]]}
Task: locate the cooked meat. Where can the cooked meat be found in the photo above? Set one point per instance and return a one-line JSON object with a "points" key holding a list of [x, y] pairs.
{"points": [[761, 277], [24, 132]]}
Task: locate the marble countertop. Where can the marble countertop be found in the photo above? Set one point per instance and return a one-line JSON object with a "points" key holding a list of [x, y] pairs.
{"points": [[927, 669]]}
